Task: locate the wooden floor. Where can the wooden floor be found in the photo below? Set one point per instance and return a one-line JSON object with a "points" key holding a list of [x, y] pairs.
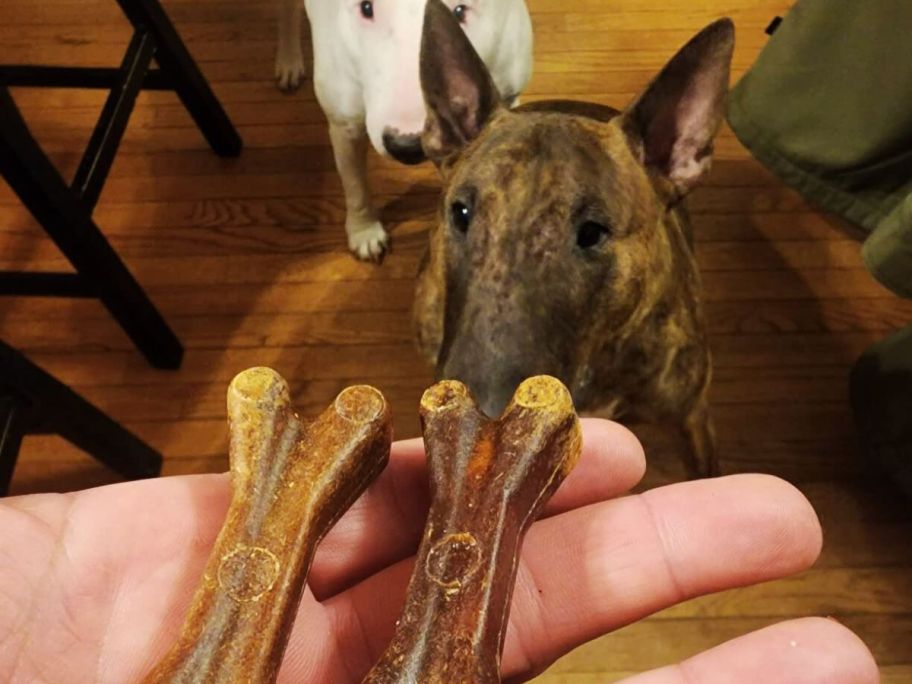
{"points": [[247, 261]]}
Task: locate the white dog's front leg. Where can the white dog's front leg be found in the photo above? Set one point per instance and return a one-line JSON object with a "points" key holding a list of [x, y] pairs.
{"points": [[289, 66], [366, 237]]}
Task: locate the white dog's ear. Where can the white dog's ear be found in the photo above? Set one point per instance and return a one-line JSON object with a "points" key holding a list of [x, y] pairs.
{"points": [[673, 123], [458, 89]]}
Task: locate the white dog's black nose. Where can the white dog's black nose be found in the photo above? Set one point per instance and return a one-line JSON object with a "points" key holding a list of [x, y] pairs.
{"points": [[403, 148]]}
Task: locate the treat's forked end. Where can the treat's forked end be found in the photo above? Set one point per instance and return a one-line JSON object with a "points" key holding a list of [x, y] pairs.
{"points": [[446, 395], [360, 404], [261, 387], [540, 406], [542, 392], [259, 414]]}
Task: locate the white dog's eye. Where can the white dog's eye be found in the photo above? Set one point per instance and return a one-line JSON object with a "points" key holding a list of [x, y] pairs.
{"points": [[367, 9], [460, 11]]}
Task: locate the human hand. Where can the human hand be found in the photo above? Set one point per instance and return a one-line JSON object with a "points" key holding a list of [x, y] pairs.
{"points": [[94, 585]]}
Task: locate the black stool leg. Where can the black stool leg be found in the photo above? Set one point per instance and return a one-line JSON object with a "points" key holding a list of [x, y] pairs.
{"points": [[11, 432], [69, 223], [64, 412], [190, 85]]}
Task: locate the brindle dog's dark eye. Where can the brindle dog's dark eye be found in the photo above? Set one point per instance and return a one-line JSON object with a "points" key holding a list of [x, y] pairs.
{"points": [[591, 234], [367, 9], [460, 11], [461, 216]]}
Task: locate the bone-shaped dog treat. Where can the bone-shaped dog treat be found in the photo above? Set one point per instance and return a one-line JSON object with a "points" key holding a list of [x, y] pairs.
{"points": [[291, 482], [489, 481]]}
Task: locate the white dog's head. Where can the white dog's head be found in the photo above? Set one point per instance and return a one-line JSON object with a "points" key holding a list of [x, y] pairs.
{"points": [[384, 39]]}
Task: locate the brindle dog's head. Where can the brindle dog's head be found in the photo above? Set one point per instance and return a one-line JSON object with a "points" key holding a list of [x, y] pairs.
{"points": [[552, 237]]}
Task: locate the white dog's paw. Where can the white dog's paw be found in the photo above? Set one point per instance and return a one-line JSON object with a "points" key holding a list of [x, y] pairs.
{"points": [[289, 69], [368, 242]]}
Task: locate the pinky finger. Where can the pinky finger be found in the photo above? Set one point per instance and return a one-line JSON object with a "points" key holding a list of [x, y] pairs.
{"points": [[807, 651]]}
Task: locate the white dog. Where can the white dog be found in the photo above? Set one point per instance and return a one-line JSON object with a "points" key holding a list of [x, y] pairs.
{"points": [[366, 80]]}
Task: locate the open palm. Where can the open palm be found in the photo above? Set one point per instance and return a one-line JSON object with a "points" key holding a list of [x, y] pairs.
{"points": [[94, 585]]}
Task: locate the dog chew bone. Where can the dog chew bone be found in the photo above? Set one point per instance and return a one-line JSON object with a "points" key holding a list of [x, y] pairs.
{"points": [[291, 482], [489, 481]]}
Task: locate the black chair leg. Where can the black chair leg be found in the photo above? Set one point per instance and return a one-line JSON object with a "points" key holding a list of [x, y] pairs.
{"points": [[185, 76], [62, 411], [69, 223], [11, 433]]}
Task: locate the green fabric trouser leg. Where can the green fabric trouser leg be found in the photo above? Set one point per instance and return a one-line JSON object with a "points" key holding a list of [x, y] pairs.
{"points": [[828, 108], [881, 394]]}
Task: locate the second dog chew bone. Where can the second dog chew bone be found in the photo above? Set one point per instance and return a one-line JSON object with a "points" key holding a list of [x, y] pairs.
{"points": [[489, 481], [291, 482]]}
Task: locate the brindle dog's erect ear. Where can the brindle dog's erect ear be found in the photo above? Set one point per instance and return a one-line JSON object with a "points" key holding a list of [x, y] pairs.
{"points": [[674, 121], [458, 89]]}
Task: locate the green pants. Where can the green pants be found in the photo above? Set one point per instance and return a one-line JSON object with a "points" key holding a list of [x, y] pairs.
{"points": [[828, 108], [881, 393]]}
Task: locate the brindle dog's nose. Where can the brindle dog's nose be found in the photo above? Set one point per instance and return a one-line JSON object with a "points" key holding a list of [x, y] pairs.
{"points": [[403, 148], [492, 390], [494, 403]]}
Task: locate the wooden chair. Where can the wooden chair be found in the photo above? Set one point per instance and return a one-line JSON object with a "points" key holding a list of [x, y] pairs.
{"points": [[65, 211], [33, 402]]}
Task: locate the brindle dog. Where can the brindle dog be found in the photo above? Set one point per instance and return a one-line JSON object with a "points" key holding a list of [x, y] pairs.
{"points": [[562, 246]]}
